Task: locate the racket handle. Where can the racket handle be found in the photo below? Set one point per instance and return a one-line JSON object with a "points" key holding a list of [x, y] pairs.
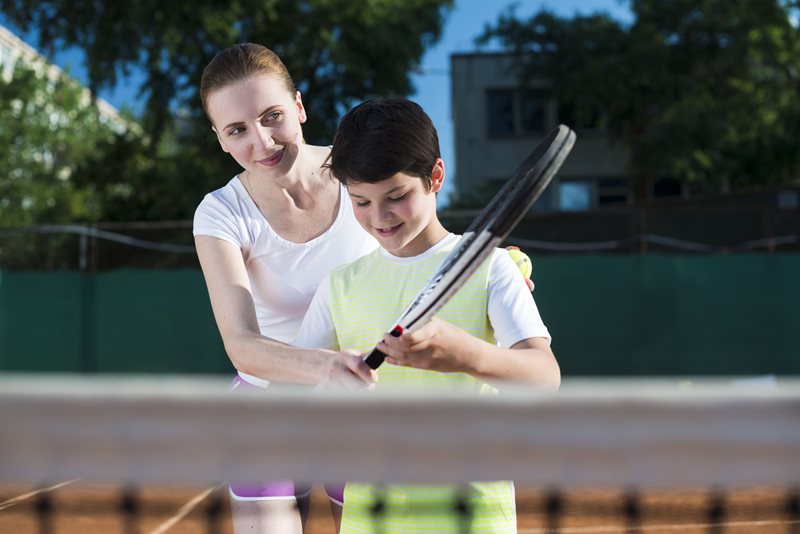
{"points": [[375, 358]]}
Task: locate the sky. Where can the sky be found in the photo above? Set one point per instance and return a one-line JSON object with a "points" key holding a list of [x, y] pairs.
{"points": [[463, 24]]}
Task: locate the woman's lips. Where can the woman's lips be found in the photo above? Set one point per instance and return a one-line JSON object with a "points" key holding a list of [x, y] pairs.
{"points": [[272, 160]]}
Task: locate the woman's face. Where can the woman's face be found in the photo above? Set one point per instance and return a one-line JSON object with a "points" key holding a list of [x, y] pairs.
{"points": [[258, 122]]}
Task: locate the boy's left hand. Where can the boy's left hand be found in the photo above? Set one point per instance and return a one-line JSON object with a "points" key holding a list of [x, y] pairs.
{"points": [[528, 281], [436, 346]]}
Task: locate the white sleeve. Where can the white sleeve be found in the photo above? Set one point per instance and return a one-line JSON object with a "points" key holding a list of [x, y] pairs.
{"points": [[317, 330], [214, 218], [512, 310]]}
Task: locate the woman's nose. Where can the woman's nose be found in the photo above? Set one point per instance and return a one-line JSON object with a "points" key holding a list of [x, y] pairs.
{"points": [[265, 139]]}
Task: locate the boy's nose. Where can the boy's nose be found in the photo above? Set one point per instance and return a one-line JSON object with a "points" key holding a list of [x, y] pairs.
{"points": [[385, 215]]}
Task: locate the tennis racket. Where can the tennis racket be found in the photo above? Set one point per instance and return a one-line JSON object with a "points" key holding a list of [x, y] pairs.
{"points": [[487, 231]]}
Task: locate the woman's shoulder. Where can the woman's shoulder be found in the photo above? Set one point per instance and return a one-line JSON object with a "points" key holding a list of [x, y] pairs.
{"points": [[230, 190], [226, 199]]}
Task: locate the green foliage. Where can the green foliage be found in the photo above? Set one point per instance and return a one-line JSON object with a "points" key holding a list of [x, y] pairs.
{"points": [[706, 91], [48, 126], [338, 51], [138, 182]]}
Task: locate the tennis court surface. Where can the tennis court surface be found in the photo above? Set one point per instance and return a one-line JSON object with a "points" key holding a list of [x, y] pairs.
{"points": [[152, 454]]}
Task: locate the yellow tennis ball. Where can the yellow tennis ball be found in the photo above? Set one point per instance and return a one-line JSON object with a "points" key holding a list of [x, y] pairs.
{"points": [[522, 261]]}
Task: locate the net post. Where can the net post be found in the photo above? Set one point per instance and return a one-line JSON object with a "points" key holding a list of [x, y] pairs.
{"points": [[632, 511], [44, 512], [129, 509], [463, 508], [793, 509], [378, 509], [716, 511], [214, 511], [553, 508]]}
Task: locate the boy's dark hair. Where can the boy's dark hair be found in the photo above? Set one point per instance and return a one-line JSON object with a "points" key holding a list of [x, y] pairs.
{"points": [[382, 137]]}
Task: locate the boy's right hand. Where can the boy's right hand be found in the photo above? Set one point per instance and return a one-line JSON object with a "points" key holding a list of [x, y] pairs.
{"points": [[347, 370]]}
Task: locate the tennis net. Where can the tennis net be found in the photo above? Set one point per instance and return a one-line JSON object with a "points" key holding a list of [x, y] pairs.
{"points": [[153, 454]]}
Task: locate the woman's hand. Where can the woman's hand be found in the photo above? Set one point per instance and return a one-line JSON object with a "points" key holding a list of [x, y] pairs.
{"points": [[347, 370]]}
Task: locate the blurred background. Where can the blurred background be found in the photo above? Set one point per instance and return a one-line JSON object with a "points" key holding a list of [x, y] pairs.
{"points": [[668, 244]]}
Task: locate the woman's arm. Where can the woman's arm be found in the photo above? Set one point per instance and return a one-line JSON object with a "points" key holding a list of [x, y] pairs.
{"points": [[249, 351]]}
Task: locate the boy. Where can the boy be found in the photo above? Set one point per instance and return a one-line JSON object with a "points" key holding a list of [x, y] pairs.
{"points": [[386, 152]]}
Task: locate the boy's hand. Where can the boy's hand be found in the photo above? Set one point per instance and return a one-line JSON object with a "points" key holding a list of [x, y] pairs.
{"points": [[436, 346], [347, 370]]}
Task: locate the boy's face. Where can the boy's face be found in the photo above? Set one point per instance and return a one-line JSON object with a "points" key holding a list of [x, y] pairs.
{"points": [[399, 212]]}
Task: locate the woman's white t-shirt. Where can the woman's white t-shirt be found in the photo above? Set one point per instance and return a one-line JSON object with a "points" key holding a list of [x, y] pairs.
{"points": [[283, 275]]}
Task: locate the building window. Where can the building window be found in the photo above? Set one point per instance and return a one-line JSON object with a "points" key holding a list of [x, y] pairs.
{"points": [[500, 111], [612, 191], [667, 187], [516, 112], [575, 196], [6, 60], [533, 108]]}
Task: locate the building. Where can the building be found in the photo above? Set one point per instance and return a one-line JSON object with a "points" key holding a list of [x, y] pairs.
{"points": [[13, 49], [497, 123]]}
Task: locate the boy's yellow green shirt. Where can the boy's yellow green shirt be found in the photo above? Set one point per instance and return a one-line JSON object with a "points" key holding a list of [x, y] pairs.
{"points": [[365, 297]]}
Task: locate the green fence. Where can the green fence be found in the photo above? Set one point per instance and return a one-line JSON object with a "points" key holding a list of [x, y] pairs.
{"points": [[609, 315], [118, 321]]}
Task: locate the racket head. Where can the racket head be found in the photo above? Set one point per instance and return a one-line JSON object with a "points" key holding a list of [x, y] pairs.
{"points": [[526, 184], [503, 213]]}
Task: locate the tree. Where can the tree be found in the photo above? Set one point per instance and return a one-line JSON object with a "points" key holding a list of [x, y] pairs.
{"points": [[706, 91], [339, 51], [49, 125]]}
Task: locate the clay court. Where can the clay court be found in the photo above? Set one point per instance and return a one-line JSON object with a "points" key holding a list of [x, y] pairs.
{"points": [[77, 509]]}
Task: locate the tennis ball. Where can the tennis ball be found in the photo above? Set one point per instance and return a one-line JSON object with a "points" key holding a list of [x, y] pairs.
{"points": [[522, 261]]}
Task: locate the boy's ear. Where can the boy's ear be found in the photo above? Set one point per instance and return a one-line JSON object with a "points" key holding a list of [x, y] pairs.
{"points": [[437, 176]]}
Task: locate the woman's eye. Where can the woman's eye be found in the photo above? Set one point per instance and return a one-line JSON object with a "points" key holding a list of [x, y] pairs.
{"points": [[271, 117], [235, 131]]}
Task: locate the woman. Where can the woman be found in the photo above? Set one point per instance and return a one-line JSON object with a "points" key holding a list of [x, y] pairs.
{"points": [[265, 240]]}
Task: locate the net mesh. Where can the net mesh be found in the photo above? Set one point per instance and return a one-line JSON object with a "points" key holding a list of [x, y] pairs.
{"points": [[153, 454]]}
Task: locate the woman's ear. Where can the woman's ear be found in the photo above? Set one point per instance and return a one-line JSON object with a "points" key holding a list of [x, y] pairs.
{"points": [[301, 109]]}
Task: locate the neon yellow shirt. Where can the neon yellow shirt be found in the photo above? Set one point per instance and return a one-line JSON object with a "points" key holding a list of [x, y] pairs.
{"points": [[366, 296]]}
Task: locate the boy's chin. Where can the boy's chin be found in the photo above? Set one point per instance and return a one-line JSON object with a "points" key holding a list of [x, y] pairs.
{"points": [[391, 246]]}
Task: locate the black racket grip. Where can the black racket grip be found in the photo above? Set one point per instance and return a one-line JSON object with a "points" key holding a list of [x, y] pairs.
{"points": [[375, 358]]}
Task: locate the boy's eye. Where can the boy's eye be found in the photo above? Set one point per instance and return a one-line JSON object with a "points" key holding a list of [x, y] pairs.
{"points": [[398, 199], [362, 203]]}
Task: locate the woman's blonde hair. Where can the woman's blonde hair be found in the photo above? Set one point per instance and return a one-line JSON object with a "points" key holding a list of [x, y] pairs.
{"points": [[238, 62]]}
